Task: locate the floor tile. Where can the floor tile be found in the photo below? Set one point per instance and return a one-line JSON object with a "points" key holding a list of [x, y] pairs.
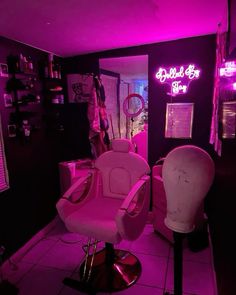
{"points": [[197, 278], [141, 290], [63, 256], [153, 270], [42, 281], [123, 245], [151, 243], [203, 256], [172, 292], [14, 272], [70, 291], [60, 254], [38, 251], [58, 230]]}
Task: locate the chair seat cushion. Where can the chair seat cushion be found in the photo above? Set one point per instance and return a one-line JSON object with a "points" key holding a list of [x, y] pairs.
{"points": [[96, 219]]}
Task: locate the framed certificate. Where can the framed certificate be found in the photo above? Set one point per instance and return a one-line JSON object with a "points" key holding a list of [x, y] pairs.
{"points": [[229, 119], [179, 120]]}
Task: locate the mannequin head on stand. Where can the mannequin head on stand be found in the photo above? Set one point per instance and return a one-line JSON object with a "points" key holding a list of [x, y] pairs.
{"points": [[188, 173]]}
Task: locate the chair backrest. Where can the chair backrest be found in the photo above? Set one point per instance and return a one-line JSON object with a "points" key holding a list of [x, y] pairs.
{"points": [[141, 142], [120, 169]]}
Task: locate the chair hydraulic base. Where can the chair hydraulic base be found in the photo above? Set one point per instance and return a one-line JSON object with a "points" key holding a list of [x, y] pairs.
{"points": [[111, 271]]}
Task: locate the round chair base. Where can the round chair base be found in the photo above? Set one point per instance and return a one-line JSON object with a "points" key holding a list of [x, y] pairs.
{"points": [[112, 276]]}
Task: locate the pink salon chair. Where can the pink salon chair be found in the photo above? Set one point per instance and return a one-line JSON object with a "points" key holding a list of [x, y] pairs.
{"points": [[159, 205], [109, 204]]}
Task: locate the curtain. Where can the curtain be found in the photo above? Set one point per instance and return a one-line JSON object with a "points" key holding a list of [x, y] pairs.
{"points": [[4, 182], [220, 55]]}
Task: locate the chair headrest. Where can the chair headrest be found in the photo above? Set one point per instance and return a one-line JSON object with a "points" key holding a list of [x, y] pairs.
{"points": [[122, 145]]}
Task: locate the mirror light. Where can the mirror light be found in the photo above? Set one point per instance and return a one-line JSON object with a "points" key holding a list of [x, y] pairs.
{"points": [[178, 78]]}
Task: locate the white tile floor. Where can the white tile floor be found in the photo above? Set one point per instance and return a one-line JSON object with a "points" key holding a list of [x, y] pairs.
{"points": [[41, 270]]}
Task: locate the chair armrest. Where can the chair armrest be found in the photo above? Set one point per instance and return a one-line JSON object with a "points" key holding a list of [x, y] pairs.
{"points": [[132, 214], [73, 198], [133, 193], [76, 188]]}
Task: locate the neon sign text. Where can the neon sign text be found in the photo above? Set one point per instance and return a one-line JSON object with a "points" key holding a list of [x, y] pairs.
{"points": [[178, 78], [228, 69]]}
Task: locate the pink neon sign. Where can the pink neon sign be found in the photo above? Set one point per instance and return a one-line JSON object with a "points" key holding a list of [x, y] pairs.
{"points": [[178, 78], [228, 69]]}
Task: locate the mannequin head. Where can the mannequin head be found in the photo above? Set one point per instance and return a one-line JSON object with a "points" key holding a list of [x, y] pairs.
{"points": [[188, 172]]}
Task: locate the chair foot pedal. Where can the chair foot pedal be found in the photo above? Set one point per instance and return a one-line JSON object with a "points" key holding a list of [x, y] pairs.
{"points": [[80, 286]]}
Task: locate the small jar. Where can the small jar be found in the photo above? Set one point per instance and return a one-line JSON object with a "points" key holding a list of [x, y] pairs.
{"points": [[26, 128]]}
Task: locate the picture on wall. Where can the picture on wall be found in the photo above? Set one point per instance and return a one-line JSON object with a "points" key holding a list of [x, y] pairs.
{"points": [[3, 70], [179, 120], [80, 88], [11, 130], [7, 99], [229, 119]]}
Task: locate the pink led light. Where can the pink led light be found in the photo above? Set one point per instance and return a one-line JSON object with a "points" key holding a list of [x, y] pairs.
{"points": [[178, 77], [234, 86], [229, 69]]}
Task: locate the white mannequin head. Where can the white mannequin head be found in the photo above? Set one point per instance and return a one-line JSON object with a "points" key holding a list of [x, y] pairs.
{"points": [[188, 172]]}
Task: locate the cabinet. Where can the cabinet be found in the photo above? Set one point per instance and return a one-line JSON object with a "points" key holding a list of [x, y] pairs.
{"points": [[24, 88], [53, 93], [53, 103]]}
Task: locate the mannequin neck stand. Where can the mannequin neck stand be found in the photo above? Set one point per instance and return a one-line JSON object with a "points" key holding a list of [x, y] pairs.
{"points": [[178, 264]]}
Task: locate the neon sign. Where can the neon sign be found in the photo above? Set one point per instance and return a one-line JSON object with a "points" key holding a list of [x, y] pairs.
{"points": [[228, 69], [178, 78]]}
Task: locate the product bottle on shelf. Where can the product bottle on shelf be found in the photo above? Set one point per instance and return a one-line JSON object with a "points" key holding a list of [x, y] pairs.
{"points": [[46, 71], [26, 69], [21, 63], [26, 128], [30, 64], [61, 98], [59, 72], [55, 71], [50, 65]]}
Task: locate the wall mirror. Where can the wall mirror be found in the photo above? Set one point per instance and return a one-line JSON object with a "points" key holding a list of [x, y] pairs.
{"points": [[122, 77]]}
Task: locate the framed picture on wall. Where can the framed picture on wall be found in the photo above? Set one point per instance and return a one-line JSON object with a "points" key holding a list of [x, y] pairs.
{"points": [[7, 99], [229, 119], [179, 120], [80, 88], [11, 130], [3, 70]]}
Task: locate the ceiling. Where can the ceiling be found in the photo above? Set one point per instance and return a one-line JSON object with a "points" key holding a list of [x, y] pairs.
{"points": [[72, 27], [132, 67]]}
